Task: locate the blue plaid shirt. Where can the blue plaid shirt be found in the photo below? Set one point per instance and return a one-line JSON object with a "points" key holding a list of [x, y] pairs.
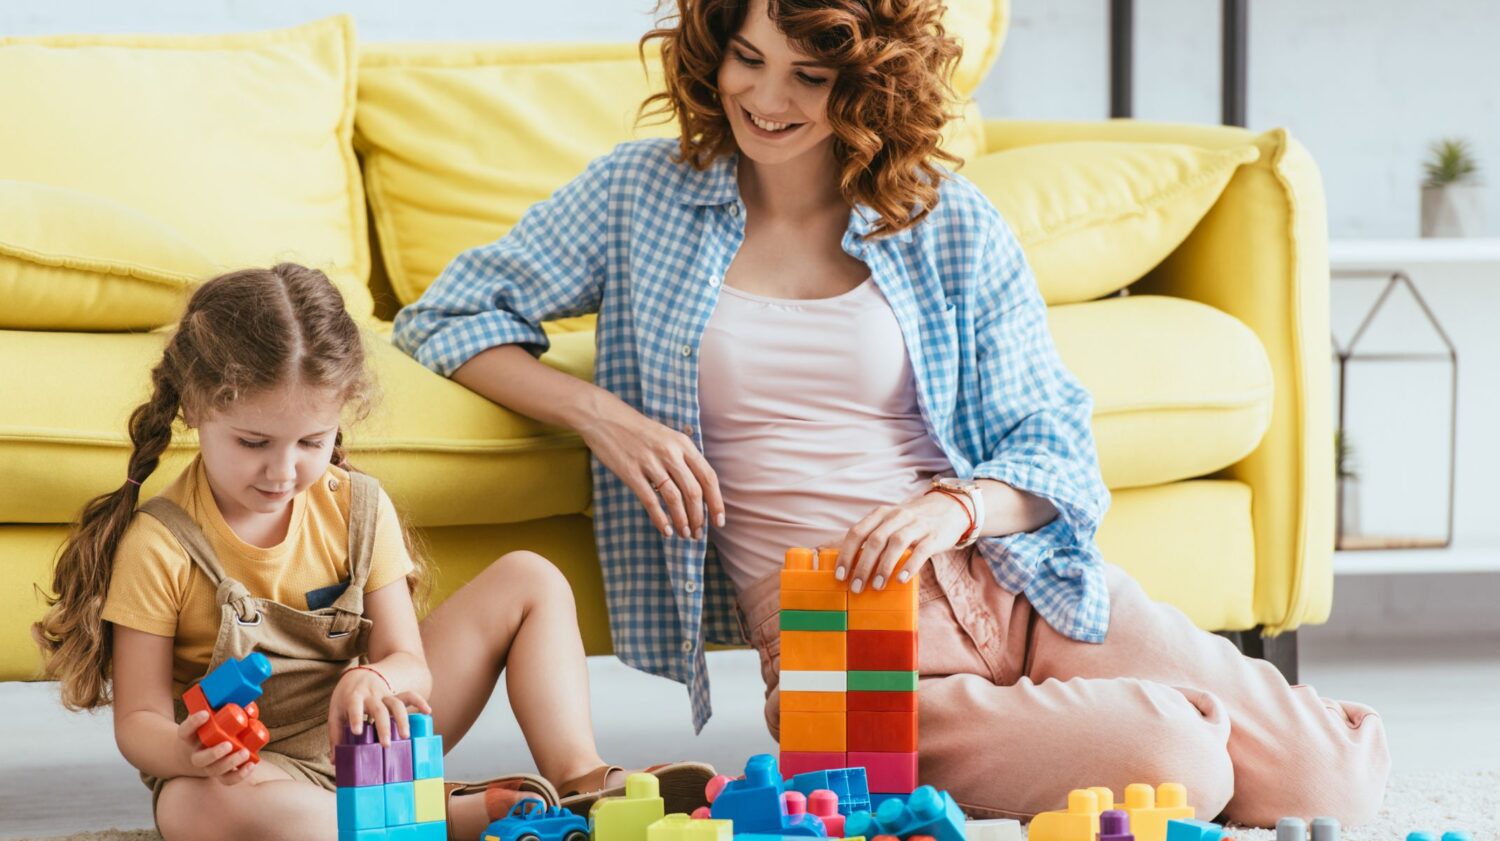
{"points": [[645, 243]]}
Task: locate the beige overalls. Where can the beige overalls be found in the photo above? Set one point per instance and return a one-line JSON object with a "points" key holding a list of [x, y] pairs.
{"points": [[308, 650]]}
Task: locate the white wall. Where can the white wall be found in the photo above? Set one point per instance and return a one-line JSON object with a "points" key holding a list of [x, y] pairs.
{"points": [[1366, 84]]}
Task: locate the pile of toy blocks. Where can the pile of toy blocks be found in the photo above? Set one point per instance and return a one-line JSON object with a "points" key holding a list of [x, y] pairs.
{"points": [[848, 674], [391, 793], [228, 693]]}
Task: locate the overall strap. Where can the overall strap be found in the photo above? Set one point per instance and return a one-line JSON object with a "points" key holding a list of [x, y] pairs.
{"points": [[364, 513], [190, 535]]}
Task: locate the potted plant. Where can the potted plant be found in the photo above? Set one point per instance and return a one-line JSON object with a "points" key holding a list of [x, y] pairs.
{"points": [[1348, 490], [1452, 197]]}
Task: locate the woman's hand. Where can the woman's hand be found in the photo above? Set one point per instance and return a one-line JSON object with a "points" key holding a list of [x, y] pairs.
{"points": [[923, 526], [222, 762], [661, 466], [362, 693]]}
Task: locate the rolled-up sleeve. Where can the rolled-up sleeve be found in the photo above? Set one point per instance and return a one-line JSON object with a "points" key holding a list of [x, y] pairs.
{"points": [[550, 265], [1037, 439]]}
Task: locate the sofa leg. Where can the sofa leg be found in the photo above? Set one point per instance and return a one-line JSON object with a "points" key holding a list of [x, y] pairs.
{"points": [[1280, 652]]}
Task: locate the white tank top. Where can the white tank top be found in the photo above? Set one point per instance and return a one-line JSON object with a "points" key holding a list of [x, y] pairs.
{"points": [[810, 419]]}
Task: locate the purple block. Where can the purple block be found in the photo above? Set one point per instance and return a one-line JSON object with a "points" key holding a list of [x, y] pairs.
{"points": [[1114, 825], [360, 760], [398, 762]]}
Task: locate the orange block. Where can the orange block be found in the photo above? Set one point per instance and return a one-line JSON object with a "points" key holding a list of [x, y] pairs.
{"points": [[814, 651], [895, 596], [812, 731], [829, 558], [881, 620], [811, 579], [814, 600], [800, 557], [813, 702], [890, 732], [882, 651]]}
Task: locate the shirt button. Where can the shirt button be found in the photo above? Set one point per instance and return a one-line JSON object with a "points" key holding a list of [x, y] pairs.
{"points": [[333, 483], [687, 350], [691, 587], [713, 280], [687, 646], [734, 210]]}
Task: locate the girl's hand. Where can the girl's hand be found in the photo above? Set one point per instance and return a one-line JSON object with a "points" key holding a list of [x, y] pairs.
{"points": [[661, 465], [363, 693], [923, 526], [222, 762]]}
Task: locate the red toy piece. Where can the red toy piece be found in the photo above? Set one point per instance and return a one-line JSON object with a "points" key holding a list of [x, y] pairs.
{"points": [[240, 726]]}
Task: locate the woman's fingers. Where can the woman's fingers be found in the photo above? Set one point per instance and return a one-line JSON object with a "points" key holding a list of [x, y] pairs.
{"points": [[709, 481], [689, 498], [645, 491]]}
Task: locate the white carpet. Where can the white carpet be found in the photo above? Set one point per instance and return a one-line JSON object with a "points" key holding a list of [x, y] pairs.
{"points": [[1436, 801]]}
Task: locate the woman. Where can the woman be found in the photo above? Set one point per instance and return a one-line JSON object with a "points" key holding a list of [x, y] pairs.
{"points": [[845, 329]]}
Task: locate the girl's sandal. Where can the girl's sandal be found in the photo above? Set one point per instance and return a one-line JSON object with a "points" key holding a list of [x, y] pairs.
{"points": [[683, 786], [501, 793]]}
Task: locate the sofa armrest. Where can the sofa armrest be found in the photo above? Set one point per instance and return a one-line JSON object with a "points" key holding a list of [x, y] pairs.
{"points": [[1260, 255]]}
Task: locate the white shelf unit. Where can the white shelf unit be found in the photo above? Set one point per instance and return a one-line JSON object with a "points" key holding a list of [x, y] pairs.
{"points": [[1455, 559]]}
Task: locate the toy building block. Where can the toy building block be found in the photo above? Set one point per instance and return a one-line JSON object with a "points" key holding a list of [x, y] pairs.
{"points": [[426, 747], [359, 761], [814, 651], [848, 784], [754, 803], [1114, 825], [1186, 829], [400, 804], [814, 620], [813, 732], [801, 572], [1150, 810], [1078, 822], [820, 600], [888, 773], [882, 620], [360, 808], [1325, 829], [236, 681], [825, 804], [626, 818], [432, 805], [884, 732], [881, 701], [886, 681], [882, 650], [1421, 835], [1457, 835], [824, 681], [397, 761], [813, 702], [993, 829], [926, 812], [804, 762], [1291, 829], [679, 827], [893, 596]]}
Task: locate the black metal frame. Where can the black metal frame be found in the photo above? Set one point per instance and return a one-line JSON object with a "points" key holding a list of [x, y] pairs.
{"points": [[1234, 54], [1348, 353]]}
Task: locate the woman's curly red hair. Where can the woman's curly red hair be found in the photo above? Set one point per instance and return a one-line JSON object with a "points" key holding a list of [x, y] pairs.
{"points": [[887, 106]]}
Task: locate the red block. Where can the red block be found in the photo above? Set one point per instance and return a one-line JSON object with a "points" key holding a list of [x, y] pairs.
{"points": [[797, 762], [882, 651], [881, 701], [888, 773], [885, 732], [232, 723]]}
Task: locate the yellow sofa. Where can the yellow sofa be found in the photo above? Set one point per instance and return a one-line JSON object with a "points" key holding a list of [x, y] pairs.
{"points": [[379, 162]]}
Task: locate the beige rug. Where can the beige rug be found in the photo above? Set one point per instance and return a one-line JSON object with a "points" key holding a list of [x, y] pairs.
{"points": [[1436, 802]]}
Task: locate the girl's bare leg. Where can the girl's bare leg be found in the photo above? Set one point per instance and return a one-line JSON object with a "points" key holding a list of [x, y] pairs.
{"points": [[267, 805]]}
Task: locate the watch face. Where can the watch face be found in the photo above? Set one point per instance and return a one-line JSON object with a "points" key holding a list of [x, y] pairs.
{"points": [[957, 484]]}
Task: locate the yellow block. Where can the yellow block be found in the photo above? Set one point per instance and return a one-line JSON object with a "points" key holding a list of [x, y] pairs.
{"points": [[431, 804], [1149, 811], [626, 818], [680, 827], [1079, 822]]}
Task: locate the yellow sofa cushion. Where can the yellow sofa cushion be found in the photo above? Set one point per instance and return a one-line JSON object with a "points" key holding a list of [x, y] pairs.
{"points": [[240, 142], [1180, 389], [1095, 217], [447, 455], [74, 261]]}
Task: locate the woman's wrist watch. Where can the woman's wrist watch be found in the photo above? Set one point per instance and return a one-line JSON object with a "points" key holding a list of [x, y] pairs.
{"points": [[969, 488]]}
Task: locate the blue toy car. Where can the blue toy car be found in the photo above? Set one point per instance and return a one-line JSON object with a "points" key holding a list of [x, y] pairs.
{"points": [[530, 820]]}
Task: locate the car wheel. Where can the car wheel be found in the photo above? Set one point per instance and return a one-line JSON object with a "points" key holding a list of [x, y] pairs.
{"points": [[530, 836], [576, 835]]}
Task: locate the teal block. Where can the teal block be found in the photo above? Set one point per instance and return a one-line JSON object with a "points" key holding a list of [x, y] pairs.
{"points": [[404, 832], [362, 835], [400, 804], [426, 757], [1179, 829], [361, 807], [431, 831]]}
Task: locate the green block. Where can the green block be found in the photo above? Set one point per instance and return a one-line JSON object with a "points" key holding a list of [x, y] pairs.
{"points": [[882, 681], [814, 620]]}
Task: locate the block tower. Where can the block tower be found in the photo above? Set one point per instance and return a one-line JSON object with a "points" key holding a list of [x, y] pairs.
{"points": [[848, 674], [391, 793]]}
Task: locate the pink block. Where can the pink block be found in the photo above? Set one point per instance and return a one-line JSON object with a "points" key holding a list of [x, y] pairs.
{"points": [[888, 773], [798, 762]]}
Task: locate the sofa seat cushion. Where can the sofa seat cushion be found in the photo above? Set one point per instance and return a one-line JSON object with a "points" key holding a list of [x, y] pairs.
{"points": [[1180, 389], [446, 455]]}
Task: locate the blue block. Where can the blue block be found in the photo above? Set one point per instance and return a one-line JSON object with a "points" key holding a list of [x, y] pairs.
{"points": [[404, 832], [236, 681], [362, 835], [431, 831], [426, 756], [361, 807], [926, 811], [850, 784], [420, 724], [400, 803], [878, 798], [1180, 829], [755, 805]]}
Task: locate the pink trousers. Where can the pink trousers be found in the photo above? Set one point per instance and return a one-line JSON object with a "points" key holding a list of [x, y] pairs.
{"points": [[1013, 715]]}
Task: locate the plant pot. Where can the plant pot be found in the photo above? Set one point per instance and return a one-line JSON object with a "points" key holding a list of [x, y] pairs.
{"points": [[1453, 211]]}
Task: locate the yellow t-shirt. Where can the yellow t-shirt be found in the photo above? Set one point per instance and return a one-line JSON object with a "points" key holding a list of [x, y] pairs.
{"points": [[156, 588]]}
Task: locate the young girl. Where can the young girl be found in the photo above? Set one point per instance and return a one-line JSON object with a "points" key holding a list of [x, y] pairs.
{"points": [[810, 333], [269, 541]]}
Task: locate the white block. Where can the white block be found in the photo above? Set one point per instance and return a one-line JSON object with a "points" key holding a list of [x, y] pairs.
{"points": [[793, 681], [996, 829]]}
